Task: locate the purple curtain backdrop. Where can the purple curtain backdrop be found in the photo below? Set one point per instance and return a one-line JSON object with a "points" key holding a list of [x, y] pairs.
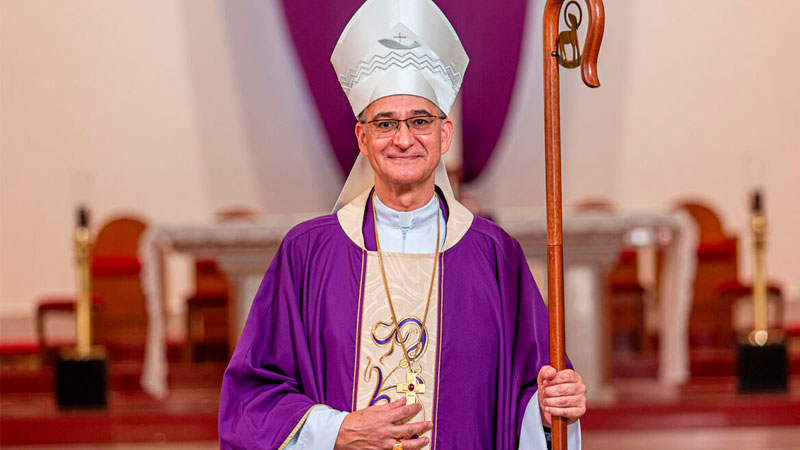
{"points": [[491, 32]]}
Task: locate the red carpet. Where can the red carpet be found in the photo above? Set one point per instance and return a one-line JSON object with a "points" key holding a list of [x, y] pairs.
{"points": [[700, 404], [28, 415]]}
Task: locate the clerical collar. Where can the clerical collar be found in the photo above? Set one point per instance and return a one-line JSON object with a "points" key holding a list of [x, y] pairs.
{"points": [[418, 218]]}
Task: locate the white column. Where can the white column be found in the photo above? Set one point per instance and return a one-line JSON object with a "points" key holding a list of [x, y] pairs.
{"points": [[582, 303]]}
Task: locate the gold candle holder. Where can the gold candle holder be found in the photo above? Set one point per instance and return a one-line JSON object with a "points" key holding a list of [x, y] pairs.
{"points": [[762, 358], [83, 306], [758, 224], [81, 372]]}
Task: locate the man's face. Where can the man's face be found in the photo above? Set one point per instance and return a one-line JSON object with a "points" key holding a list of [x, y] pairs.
{"points": [[404, 159]]}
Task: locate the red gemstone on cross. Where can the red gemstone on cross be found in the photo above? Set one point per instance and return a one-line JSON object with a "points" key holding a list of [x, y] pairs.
{"points": [[410, 387]]}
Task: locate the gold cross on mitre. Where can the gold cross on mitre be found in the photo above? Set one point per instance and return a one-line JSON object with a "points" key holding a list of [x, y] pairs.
{"points": [[411, 388]]}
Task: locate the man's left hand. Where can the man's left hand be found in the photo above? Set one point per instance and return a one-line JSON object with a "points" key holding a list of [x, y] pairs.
{"points": [[560, 394]]}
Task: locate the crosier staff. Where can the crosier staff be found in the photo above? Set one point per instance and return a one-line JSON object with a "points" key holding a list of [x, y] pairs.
{"points": [[553, 42]]}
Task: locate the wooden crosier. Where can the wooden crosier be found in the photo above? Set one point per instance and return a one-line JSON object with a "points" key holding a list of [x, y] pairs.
{"points": [[555, 258]]}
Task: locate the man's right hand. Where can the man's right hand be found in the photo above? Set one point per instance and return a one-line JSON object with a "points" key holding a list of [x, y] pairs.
{"points": [[380, 426]]}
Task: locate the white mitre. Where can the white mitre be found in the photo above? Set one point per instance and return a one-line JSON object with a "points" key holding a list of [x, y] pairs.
{"points": [[395, 47]]}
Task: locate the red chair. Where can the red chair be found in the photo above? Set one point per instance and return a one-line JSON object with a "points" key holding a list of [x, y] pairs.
{"points": [[207, 309], [624, 294], [716, 263], [207, 314], [121, 319]]}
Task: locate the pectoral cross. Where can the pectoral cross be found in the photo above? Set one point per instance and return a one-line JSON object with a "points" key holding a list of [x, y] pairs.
{"points": [[411, 388]]}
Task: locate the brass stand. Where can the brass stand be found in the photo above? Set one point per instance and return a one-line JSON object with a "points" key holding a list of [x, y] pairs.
{"points": [[81, 378], [762, 357]]}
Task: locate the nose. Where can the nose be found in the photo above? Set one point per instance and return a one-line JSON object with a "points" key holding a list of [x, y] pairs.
{"points": [[403, 138]]}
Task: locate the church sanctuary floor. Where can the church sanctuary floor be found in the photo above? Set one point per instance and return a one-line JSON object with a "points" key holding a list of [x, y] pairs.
{"points": [[185, 419], [707, 413], [757, 438]]}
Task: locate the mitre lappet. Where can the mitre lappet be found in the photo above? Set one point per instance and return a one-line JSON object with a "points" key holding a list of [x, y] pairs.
{"points": [[397, 47]]}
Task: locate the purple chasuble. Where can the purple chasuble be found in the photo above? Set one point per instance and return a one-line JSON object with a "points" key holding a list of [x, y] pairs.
{"points": [[300, 345]]}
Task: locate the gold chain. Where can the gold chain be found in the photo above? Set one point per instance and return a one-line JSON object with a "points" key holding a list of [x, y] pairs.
{"points": [[386, 283]]}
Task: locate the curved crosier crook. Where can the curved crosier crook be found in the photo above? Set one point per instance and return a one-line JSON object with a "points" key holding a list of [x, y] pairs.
{"points": [[594, 37]]}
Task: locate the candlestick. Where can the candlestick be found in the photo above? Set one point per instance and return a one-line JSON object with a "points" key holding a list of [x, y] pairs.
{"points": [[83, 306]]}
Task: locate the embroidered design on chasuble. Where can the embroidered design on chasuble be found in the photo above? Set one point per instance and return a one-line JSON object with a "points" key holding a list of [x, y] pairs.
{"points": [[380, 364]]}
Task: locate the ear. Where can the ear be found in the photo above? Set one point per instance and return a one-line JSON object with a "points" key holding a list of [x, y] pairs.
{"points": [[361, 137], [447, 134]]}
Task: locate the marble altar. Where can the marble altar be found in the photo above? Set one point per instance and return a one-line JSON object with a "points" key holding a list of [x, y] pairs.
{"points": [[591, 244]]}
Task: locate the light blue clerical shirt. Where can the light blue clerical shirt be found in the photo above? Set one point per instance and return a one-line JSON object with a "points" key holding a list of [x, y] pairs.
{"points": [[409, 231], [414, 232]]}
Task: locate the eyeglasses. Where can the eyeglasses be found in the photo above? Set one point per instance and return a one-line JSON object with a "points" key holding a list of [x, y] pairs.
{"points": [[417, 125]]}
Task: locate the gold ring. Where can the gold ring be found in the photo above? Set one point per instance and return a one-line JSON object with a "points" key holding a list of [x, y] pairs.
{"points": [[397, 445]]}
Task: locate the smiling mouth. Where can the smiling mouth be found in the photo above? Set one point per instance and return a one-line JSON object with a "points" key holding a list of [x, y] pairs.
{"points": [[405, 157]]}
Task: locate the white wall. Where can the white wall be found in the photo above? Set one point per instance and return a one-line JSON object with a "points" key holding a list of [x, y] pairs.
{"points": [[174, 109], [733, 119], [178, 108], [699, 99]]}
